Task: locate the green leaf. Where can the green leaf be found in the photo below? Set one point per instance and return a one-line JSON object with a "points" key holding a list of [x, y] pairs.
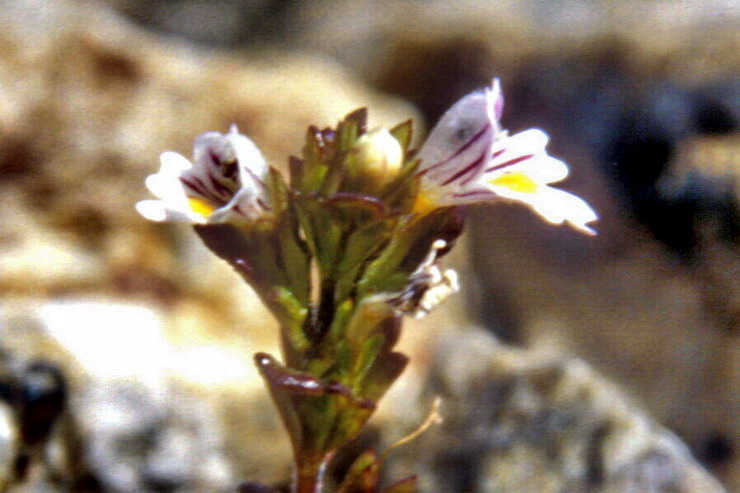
{"points": [[320, 416], [360, 247], [277, 191], [294, 257], [369, 319], [367, 357], [322, 232], [403, 132], [317, 148], [363, 476], [356, 209], [332, 225], [337, 151], [345, 358], [382, 375], [342, 317], [297, 312], [409, 246], [350, 129], [273, 260]]}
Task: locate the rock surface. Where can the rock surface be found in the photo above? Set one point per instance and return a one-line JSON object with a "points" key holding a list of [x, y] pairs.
{"points": [[518, 420], [137, 418]]}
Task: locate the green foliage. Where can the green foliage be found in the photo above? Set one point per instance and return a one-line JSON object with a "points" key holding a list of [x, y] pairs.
{"points": [[364, 477], [330, 261], [320, 415]]}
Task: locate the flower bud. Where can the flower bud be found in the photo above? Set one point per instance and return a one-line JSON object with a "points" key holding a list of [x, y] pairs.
{"points": [[379, 157]]}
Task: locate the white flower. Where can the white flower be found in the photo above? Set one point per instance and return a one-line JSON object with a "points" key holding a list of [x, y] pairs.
{"points": [[432, 284], [226, 180], [428, 287], [468, 158]]}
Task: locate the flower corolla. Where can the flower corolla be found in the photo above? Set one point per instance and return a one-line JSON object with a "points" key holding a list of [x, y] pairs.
{"points": [[225, 181], [469, 158]]}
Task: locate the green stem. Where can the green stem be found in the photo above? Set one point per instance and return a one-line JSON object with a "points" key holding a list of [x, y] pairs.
{"points": [[309, 474]]}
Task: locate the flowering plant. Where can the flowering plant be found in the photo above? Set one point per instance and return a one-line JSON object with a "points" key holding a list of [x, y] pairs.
{"points": [[348, 246]]}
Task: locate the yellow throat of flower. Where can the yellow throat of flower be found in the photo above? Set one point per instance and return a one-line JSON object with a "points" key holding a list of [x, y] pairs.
{"points": [[201, 206], [516, 182], [425, 203]]}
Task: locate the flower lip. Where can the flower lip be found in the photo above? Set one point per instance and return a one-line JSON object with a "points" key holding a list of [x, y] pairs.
{"points": [[468, 158], [226, 179]]}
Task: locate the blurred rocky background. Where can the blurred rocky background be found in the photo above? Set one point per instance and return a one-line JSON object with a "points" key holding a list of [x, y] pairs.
{"points": [[567, 364]]}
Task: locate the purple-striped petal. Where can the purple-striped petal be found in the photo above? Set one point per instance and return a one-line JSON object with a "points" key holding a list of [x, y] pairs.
{"points": [[227, 177], [468, 158], [459, 145]]}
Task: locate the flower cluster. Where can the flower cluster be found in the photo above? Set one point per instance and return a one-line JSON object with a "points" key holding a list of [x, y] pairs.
{"points": [[467, 158], [350, 244]]}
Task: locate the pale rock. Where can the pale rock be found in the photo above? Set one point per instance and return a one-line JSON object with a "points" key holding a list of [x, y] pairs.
{"points": [[521, 420], [145, 418]]}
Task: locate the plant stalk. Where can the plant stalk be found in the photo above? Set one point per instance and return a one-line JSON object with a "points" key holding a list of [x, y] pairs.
{"points": [[309, 474]]}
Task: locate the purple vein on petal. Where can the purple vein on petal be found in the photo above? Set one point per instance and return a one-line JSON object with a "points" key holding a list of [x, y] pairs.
{"points": [[196, 186], [473, 193], [214, 157], [472, 167], [218, 187], [255, 177], [510, 162], [463, 148]]}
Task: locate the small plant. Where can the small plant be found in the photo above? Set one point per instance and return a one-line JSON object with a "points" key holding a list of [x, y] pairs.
{"points": [[350, 244]]}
